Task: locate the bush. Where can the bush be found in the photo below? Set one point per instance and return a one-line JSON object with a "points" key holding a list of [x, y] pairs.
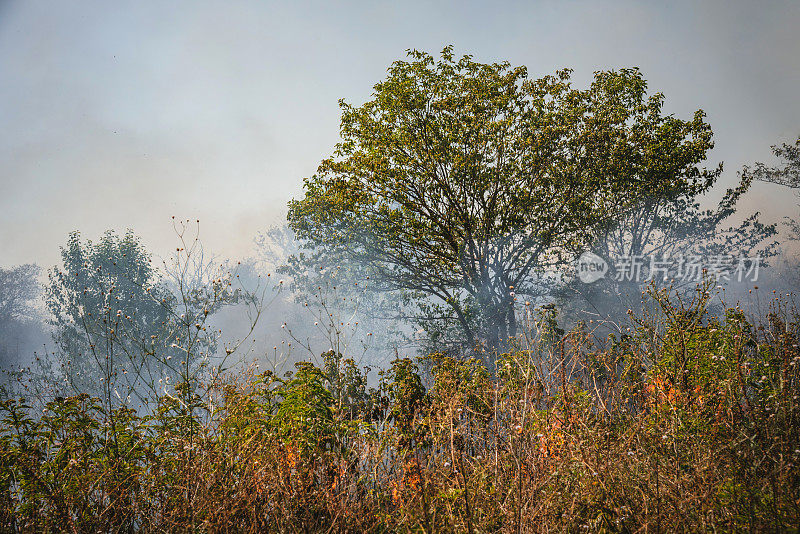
{"points": [[689, 422]]}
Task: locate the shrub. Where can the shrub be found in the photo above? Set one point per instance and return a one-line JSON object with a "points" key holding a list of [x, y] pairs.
{"points": [[689, 422]]}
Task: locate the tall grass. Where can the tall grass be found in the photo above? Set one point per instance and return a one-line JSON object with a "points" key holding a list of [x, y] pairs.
{"points": [[687, 422]]}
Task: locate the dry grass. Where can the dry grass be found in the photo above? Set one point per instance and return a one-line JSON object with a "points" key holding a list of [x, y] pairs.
{"points": [[690, 424]]}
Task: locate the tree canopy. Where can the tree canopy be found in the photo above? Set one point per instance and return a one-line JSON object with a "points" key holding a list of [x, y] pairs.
{"points": [[109, 305], [789, 173], [19, 289], [464, 181], [124, 327]]}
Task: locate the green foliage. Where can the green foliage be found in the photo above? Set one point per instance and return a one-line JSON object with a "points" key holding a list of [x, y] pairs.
{"points": [[125, 330], [110, 306], [667, 226], [353, 398], [58, 465], [461, 181], [461, 382], [690, 422], [406, 395], [304, 417]]}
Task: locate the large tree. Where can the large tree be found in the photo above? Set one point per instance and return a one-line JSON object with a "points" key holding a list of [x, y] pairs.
{"points": [[464, 181]]}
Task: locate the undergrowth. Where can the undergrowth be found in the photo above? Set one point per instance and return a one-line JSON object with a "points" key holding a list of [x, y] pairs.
{"points": [[688, 422]]}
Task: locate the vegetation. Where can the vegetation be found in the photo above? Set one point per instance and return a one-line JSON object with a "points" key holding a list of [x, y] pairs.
{"points": [[787, 175], [690, 423], [123, 326], [18, 290], [454, 195], [666, 228], [462, 182]]}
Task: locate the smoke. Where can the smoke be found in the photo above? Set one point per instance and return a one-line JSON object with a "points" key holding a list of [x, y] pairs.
{"points": [[24, 334], [307, 308], [124, 114]]}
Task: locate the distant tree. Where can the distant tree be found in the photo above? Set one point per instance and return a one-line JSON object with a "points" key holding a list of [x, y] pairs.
{"points": [[123, 327], [110, 313], [19, 289], [788, 174], [666, 226], [462, 182]]}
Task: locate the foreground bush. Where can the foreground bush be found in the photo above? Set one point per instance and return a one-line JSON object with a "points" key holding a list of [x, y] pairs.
{"points": [[689, 423]]}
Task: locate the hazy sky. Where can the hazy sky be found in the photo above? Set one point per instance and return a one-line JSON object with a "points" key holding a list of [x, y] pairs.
{"points": [[122, 114]]}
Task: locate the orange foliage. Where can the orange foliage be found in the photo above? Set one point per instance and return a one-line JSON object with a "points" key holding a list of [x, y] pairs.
{"points": [[410, 482], [662, 389]]}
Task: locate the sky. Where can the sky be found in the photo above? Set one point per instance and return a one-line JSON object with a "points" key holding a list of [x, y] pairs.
{"points": [[121, 115]]}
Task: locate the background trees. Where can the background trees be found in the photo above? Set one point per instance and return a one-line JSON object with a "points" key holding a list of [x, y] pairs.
{"points": [[124, 328], [665, 225], [110, 308], [788, 174], [19, 289], [464, 182]]}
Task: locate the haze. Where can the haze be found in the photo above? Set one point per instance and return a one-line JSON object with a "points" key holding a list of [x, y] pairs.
{"points": [[122, 114]]}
